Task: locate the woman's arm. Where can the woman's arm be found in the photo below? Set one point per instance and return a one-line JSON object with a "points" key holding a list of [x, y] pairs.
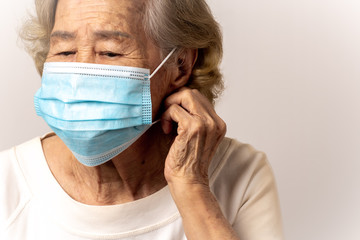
{"points": [[201, 214], [200, 131]]}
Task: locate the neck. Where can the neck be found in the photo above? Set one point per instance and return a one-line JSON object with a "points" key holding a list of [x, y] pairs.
{"points": [[135, 173], [141, 166]]}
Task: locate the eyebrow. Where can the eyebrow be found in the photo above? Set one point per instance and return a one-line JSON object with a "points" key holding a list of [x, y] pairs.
{"points": [[63, 35], [105, 35], [99, 35]]}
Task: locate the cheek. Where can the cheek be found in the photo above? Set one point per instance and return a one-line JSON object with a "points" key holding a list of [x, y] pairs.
{"points": [[159, 90]]}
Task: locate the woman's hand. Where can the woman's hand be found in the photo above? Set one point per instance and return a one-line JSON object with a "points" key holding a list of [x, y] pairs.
{"points": [[200, 131]]}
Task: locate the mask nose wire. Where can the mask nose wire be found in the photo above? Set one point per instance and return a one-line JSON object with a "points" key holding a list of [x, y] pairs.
{"points": [[162, 63]]}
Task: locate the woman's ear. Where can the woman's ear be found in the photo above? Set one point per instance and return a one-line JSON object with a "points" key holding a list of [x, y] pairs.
{"points": [[185, 62]]}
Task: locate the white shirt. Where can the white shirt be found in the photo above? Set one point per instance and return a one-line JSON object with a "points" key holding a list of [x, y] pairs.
{"points": [[33, 206]]}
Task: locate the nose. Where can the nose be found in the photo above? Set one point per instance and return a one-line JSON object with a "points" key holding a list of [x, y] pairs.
{"points": [[85, 55]]}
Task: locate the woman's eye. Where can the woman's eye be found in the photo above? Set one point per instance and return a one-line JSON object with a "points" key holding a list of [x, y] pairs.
{"points": [[66, 53], [110, 54]]}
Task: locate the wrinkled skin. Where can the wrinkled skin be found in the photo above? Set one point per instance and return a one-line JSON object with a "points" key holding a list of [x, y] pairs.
{"points": [[177, 153]]}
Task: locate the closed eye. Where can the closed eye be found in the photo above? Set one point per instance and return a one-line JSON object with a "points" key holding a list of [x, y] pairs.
{"points": [[66, 53], [111, 54]]}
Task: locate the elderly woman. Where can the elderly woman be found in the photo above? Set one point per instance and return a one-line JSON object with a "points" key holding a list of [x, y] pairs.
{"points": [[138, 151]]}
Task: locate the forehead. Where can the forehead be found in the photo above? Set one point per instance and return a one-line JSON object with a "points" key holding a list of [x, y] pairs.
{"points": [[73, 15]]}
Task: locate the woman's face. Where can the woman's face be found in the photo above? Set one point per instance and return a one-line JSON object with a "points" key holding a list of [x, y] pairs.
{"points": [[107, 32]]}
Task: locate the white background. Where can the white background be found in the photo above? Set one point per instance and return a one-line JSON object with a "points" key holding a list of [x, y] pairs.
{"points": [[292, 71]]}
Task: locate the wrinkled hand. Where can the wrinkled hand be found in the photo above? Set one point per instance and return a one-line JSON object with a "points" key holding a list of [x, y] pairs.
{"points": [[200, 131]]}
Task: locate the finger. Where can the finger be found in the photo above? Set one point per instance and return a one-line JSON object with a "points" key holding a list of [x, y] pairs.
{"points": [[174, 113], [191, 100], [196, 104], [166, 126]]}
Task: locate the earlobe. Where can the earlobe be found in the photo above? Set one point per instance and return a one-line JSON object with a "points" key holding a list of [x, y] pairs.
{"points": [[185, 63]]}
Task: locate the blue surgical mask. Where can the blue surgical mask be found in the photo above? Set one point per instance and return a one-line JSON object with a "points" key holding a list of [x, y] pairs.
{"points": [[97, 110]]}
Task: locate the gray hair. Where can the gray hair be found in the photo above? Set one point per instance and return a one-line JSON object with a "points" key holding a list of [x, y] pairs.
{"points": [[184, 24]]}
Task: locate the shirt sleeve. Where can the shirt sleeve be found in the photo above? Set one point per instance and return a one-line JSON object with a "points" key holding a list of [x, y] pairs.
{"points": [[14, 193], [259, 215]]}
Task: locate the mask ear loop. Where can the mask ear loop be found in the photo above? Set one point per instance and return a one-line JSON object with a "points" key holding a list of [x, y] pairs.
{"points": [[162, 63]]}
